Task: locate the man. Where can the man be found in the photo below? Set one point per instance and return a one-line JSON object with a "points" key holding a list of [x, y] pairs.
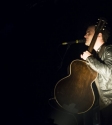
{"points": [[101, 62]]}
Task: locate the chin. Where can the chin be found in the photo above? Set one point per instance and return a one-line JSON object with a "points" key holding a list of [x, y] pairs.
{"points": [[86, 44]]}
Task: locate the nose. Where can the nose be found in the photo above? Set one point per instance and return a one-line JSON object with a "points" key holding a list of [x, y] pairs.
{"points": [[85, 36]]}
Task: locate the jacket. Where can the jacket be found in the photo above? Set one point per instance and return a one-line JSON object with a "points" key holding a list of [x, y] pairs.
{"points": [[102, 64]]}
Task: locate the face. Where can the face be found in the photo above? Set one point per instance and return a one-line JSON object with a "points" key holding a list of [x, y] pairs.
{"points": [[89, 35]]}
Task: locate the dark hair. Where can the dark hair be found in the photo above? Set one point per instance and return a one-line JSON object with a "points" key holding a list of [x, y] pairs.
{"points": [[105, 34]]}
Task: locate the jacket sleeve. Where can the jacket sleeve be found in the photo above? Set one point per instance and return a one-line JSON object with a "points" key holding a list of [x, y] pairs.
{"points": [[102, 67]]}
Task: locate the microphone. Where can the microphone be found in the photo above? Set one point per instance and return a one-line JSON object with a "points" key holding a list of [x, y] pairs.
{"points": [[72, 42]]}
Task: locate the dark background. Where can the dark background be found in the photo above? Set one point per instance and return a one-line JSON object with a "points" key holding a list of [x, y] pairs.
{"points": [[31, 32]]}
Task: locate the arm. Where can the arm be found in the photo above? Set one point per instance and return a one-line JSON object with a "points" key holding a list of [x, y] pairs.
{"points": [[102, 67]]}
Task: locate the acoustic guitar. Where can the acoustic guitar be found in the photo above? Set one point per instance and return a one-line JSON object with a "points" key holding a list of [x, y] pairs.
{"points": [[74, 92]]}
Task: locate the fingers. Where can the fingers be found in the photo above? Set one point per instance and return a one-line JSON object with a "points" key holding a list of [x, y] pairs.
{"points": [[81, 56]]}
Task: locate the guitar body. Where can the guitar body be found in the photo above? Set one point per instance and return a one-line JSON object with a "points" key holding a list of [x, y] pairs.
{"points": [[74, 93]]}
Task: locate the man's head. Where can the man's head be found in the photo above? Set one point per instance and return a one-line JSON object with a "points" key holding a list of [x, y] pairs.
{"points": [[102, 36]]}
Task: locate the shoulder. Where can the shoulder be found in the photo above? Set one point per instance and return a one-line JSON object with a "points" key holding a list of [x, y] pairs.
{"points": [[108, 47]]}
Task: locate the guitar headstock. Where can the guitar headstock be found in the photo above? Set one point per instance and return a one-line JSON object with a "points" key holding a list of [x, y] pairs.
{"points": [[101, 24]]}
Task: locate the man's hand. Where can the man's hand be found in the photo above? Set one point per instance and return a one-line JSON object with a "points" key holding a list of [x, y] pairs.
{"points": [[85, 55]]}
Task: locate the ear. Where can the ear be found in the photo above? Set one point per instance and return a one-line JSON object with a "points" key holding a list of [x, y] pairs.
{"points": [[100, 35]]}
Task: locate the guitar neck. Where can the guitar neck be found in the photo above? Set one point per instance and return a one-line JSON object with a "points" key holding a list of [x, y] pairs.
{"points": [[90, 48]]}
